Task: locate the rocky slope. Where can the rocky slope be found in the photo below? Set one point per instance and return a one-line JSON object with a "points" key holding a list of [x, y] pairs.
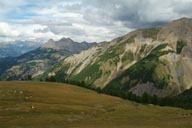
{"points": [[67, 43], [155, 60], [39, 60]]}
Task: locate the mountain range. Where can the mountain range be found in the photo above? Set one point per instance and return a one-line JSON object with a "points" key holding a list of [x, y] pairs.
{"points": [[17, 48], [153, 60], [39, 60]]}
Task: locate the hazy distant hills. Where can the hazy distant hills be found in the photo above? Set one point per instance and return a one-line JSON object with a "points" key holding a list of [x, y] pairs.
{"points": [[155, 60], [16, 48], [37, 61]]}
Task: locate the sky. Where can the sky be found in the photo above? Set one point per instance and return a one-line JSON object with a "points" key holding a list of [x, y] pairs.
{"points": [[85, 20]]}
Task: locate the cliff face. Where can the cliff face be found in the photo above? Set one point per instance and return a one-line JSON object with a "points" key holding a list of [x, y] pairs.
{"points": [[67, 44]]}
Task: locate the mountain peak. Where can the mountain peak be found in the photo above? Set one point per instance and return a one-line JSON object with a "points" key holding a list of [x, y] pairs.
{"points": [[66, 44], [60, 44], [66, 40], [50, 40], [183, 19]]}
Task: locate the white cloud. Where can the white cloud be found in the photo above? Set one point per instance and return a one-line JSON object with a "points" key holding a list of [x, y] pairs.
{"points": [[25, 32], [90, 20], [5, 30]]}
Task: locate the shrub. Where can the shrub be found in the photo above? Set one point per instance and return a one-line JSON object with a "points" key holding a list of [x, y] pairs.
{"points": [[180, 45]]}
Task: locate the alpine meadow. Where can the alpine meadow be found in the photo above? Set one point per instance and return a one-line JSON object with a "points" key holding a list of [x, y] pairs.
{"points": [[95, 64]]}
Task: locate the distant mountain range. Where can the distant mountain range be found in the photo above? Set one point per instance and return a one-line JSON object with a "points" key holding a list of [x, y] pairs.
{"points": [[17, 48], [39, 60]]}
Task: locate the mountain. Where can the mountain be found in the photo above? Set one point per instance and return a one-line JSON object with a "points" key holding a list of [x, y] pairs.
{"points": [[17, 48], [68, 44], [37, 61], [154, 60]]}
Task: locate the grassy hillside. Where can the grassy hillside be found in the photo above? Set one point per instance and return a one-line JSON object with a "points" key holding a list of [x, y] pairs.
{"points": [[156, 61], [48, 105], [39, 60], [150, 68]]}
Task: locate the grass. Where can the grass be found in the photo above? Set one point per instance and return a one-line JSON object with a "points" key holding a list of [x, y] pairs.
{"points": [[113, 53], [149, 68], [54, 105], [130, 40], [89, 74], [128, 56], [151, 33]]}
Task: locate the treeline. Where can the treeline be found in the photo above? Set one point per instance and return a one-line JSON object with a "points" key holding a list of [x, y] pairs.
{"points": [[175, 101]]}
